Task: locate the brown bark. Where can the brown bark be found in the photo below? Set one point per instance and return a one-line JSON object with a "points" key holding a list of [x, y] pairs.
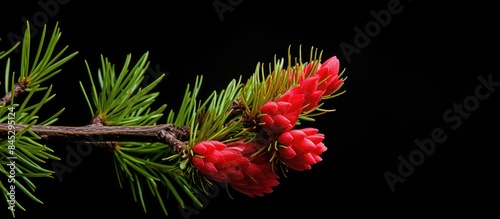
{"points": [[99, 134]]}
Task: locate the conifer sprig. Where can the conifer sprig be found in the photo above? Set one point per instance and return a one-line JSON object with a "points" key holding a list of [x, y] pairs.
{"points": [[118, 100], [22, 147], [215, 121], [46, 62]]}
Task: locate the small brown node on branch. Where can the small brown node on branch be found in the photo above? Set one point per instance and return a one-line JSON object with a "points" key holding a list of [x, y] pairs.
{"points": [[176, 137], [238, 108], [97, 121], [19, 88]]}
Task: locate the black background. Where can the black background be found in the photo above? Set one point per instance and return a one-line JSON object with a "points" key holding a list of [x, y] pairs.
{"points": [[411, 72]]}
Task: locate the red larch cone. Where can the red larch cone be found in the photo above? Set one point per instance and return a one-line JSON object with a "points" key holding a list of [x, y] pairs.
{"points": [[303, 147], [281, 115], [234, 163]]}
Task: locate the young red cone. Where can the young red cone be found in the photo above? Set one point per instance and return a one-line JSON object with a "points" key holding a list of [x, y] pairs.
{"points": [[302, 148], [217, 161], [281, 115], [322, 83], [234, 163], [328, 72]]}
